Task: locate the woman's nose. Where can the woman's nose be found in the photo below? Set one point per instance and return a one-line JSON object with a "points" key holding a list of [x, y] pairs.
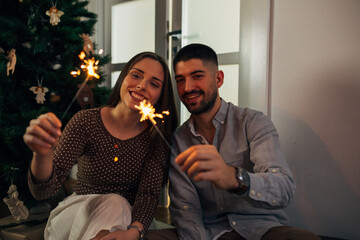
{"points": [[140, 85]]}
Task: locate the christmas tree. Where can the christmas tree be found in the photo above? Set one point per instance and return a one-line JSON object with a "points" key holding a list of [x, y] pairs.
{"points": [[40, 44]]}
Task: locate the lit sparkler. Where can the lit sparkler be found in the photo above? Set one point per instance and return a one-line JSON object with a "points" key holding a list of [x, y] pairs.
{"points": [[147, 111], [90, 65]]}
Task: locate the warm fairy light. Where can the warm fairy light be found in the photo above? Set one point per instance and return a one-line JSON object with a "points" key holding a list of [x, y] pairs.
{"points": [[82, 55], [148, 112], [101, 51], [75, 73]]}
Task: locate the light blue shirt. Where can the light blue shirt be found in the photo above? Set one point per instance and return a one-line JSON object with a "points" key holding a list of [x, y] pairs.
{"points": [[244, 138]]}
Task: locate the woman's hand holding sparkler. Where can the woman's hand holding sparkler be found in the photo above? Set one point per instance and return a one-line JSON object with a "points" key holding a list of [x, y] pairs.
{"points": [[42, 136], [43, 133]]}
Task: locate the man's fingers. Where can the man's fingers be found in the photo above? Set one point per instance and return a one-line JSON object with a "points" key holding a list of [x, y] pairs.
{"points": [[197, 155], [203, 176], [199, 166]]}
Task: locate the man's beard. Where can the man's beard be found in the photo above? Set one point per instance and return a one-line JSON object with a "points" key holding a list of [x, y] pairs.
{"points": [[205, 106]]}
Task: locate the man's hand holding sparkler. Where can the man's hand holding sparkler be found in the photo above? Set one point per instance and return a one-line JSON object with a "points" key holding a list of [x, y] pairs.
{"points": [[204, 163]]}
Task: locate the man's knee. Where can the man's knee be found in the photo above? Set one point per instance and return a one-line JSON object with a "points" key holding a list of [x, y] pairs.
{"points": [[288, 232], [161, 234]]}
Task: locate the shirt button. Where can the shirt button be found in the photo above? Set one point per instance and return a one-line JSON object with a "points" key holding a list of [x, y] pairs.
{"points": [[274, 170], [185, 207], [233, 223], [258, 194], [222, 122], [252, 192]]}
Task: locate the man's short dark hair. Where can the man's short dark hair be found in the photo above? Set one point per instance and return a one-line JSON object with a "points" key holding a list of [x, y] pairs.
{"points": [[196, 51]]}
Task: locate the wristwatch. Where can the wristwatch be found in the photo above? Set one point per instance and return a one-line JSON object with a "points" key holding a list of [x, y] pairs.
{"points": [[243, 179], [141, 232]]}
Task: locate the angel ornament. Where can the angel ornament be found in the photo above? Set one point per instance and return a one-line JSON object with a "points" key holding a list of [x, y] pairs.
{"points": [[54, 15], [17, 208], [88, 45], [11, 58], [40, 92]]}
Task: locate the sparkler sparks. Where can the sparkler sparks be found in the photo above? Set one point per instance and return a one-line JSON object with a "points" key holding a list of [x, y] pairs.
{"points": [[148, 112], [90, 65]]}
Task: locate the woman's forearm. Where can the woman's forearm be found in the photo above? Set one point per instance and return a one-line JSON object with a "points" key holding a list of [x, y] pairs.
{"points": [[41, 168]]}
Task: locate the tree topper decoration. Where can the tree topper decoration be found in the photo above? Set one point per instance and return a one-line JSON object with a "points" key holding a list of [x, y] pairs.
{"points": [[11, 58], [40, 92], [54, 15]]}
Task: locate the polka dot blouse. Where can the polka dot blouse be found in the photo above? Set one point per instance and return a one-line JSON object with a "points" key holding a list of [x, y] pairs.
{"points": [[133, 168]]}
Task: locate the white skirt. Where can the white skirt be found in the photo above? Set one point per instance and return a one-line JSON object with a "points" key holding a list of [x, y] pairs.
{"points": [[83, 216]]}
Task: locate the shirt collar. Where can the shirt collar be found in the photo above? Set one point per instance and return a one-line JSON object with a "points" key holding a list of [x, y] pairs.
{"points": [[221, 114], [218, 119]]}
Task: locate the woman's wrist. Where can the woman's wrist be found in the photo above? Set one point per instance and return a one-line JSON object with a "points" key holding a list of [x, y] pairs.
{"points": [[137, 230]]}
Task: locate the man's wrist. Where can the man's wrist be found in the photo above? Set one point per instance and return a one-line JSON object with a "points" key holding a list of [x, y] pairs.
{"points": [[243, 180]]}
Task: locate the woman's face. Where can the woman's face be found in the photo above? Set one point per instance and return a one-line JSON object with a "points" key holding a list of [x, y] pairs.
{"points": [[144, 81]]}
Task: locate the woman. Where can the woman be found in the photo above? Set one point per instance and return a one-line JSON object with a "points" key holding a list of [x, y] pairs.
{"points": [[121, 161]]}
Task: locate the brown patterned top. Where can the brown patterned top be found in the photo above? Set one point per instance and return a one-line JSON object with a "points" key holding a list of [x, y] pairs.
{"points": [[137, 174]]}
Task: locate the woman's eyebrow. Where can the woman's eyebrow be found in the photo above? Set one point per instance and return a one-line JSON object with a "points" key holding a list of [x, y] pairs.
{"points": [[138, 69], [155, 78]]}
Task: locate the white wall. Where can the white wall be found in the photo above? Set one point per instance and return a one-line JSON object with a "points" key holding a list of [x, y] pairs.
{"points": [[254, 54], [315, 96]]}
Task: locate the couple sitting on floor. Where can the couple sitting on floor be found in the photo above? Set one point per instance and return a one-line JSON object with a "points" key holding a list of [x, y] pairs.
{"points": [[228, 178]]}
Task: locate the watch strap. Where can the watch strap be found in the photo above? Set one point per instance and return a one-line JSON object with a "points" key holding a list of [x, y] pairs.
{"points": [[244, 181], [141, 232]]}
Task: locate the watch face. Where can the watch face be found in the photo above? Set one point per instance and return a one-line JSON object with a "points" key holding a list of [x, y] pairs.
{"points": [[243, 183]]}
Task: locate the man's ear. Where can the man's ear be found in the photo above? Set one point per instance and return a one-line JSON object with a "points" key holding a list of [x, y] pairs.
{"points": [[219, 78]]}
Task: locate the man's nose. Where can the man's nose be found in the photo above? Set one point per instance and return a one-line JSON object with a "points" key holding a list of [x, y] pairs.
{"points": [[188, 85]]}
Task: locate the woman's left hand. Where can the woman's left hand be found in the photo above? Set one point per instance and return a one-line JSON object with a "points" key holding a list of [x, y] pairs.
{"points": [[131, 234]]}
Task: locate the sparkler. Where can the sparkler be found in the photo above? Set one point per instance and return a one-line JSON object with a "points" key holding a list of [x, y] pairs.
{"points": [[147, 111], [90, 65]]}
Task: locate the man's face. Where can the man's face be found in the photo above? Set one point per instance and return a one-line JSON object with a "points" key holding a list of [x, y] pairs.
{"points": [[197, 85]]}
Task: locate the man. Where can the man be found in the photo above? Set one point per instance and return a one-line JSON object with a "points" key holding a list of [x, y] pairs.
{"points": [[229, 179]]}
